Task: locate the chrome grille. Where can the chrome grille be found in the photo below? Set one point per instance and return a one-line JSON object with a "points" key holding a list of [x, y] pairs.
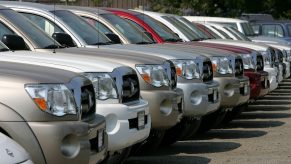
{"points": [[260, 63], [88, 102], [239, 69], [130, 88], [207, 71]]}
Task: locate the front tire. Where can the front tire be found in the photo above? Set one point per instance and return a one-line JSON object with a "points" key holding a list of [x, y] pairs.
{"points": [[211, 120]]}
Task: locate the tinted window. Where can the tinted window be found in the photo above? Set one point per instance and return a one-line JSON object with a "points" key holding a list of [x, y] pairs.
{"points": [[48, 26], [35, 34], [102, 28], [272, 30], [289, 29], [87, 32], [256, 29], [162, 30], [247, 29], [193, 27], [4, 30], [133, 34]]}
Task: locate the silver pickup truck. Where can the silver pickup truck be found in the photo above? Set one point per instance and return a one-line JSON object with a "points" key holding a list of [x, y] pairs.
{"points": [[51, 114]]}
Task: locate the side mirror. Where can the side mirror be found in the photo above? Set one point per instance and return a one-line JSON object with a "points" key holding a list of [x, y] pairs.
{"points": [[114, 38], [177, 35], [64, 39], [149, 35], [14, 42]]}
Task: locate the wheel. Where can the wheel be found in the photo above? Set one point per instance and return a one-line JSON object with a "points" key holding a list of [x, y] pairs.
{"points": [[211, 120], [185, 127], [119, 157], [233, 114], [150, 145]]}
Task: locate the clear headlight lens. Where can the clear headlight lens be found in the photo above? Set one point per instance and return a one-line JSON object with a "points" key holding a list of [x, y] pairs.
{"points": [[104, 85], [222, 65], [267, 58], [55, 99], [248, 61], [153, 74], [187, 69]]}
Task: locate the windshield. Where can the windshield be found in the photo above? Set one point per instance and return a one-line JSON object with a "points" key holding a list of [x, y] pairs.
{"points": [[248, 30], [133, 34], [87, 32], [163, 31], [241, 35], [222, 33], [194, 28], [232, 33], [207, 30], [183, 28], [40, 39]]}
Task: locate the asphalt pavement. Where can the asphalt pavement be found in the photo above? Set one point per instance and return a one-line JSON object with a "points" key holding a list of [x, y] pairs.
{"points": [[261, 135]]}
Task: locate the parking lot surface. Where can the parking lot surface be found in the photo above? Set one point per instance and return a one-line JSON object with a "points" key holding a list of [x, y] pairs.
{"points": [[260, 135]]}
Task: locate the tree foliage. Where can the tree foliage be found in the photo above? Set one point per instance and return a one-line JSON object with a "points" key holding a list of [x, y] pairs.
{"points": [[230, 8]]}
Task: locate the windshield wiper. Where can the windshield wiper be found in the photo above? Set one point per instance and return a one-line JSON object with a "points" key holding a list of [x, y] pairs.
{"points": [[173, 40], [144, 43], [197, 39], [102, 43], [4, 49], [53, 46]]}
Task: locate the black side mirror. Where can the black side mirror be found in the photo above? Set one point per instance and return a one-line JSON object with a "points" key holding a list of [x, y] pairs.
{"points": [[64, 39], [114, 38], [14, 42], [149, 35]]}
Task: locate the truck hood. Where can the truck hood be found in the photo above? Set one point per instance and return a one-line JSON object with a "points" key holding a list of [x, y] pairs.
{"points": [[251, 45], [74, 63]]}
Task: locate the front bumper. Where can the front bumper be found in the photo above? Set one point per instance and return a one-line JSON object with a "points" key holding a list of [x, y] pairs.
{"points": [[244, 89], [272, 77], [166, 107], [287, 70], [72, 141], [196, 101], [122, 123], [229, 91], [259, 83]]}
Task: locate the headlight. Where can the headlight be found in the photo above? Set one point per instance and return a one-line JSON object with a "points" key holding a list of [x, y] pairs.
{"points": [[55, 99], [267, 58], [289, 55], [153, 74], [222, 65], [248, 61], [187, 69], [104, 85]]}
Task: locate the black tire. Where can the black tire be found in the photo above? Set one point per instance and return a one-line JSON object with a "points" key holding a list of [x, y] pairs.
{"points": [[194, 128], [211, 120], [231, 115], [118, 158], [185, 127], [150, 145]]}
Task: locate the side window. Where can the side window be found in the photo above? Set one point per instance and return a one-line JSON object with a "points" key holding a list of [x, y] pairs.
{"points": [[46, 25], [135, 24], [256, 29], [4, 30], [272, 30], [100, 26]]}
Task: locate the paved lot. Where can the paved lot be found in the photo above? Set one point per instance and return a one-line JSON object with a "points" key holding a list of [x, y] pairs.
{"points": [[261, 135]]}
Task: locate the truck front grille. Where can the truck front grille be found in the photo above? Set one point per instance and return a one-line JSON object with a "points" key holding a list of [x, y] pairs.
{"points": [[207, 71], [239, 69], [88, 102], [130, 88]]}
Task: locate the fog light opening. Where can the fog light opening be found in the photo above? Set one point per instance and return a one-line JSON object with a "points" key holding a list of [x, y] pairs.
{"points": [[166, 107], [228, 90], [195, 98], [70, 146]]}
